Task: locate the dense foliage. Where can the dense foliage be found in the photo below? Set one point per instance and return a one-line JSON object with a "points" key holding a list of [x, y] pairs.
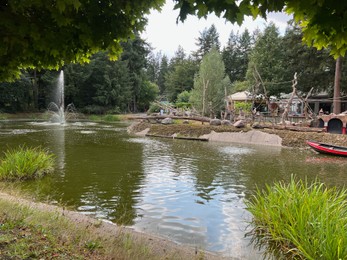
{"points": [[323, 22], [43, 34], [140, 76], [49, 34]]}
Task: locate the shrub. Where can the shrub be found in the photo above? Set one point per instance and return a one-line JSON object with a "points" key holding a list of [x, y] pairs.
{"points": [[300, 220], [111, 118], [154, 108], [26, 163], [94, 109], [107, 118], [245, 106], [183, 97]]}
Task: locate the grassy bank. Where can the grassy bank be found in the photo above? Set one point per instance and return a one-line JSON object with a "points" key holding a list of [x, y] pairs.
{"points": [[36, 231], [105, 118]]}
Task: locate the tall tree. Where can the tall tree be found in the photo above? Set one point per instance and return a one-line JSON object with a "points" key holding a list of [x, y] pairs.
{"points": [[153, 66], [210, 84], [163, 70], [180, 75], [180, 78], [15, 95], [267, 58], [315, 68], [98, 87], [208, 38], [236, 55], [135, 54]]}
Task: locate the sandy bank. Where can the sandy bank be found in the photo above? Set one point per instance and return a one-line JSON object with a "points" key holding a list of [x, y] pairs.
{"points": [[250, 137]]}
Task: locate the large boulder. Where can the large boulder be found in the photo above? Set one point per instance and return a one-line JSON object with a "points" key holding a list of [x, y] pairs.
{"points": [[226, 122], [167, 121], [239, 124]]}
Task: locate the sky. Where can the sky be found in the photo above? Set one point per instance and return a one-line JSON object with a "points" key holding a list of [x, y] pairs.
{"points": [[165, 35]]}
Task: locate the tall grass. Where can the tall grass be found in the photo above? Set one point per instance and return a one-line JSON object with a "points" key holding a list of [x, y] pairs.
{"points": [[26, 163], [300, 220]]}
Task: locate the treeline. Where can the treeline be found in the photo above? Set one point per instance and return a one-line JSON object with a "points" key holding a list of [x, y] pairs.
{"points": [[250, 61]]}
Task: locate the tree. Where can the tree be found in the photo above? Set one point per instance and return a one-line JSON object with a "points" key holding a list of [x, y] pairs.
{"points": [[323, 22], [15, 95], [98, 87], [267, 58], [180, 76], [48, 34], [135, 54], [210, 84], [315, 68], [71, 30], [149, 92], [163, 70], [236, 55], [208, 38]]}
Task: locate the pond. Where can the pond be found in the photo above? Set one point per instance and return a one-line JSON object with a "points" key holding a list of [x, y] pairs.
{"points": [[187, 191]]}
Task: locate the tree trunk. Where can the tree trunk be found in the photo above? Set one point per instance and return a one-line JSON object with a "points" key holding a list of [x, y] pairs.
{"points": [[205, 86], [337, 88]]}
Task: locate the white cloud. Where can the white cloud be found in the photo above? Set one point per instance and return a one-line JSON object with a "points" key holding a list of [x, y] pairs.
{"points": [[165, 35]]}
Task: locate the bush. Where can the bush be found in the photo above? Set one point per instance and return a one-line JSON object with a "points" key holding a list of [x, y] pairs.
{"points": [[26, 163], [94, 109], [115, 110], [154, 108], [111, 118], [245, 106], [183, 105], [300, 220]]}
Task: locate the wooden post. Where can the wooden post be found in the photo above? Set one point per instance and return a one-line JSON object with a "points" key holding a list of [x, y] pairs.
{"points": [[337, 88]]}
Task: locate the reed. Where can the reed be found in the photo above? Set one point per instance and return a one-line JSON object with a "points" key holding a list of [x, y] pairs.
{"points": [[300, 220], [26, 163]]}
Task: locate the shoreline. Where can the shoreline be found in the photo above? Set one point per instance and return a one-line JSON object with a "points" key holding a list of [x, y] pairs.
{"points": [[229, 134], [158, 247]]}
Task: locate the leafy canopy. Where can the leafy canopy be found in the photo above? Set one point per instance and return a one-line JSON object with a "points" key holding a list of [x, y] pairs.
{"points": [[324, 22], [50, 33]]}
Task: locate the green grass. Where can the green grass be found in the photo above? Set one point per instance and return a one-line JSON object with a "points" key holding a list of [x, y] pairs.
{"points": [[300, 220], [106, 118], [3, 116], [26, 163]]}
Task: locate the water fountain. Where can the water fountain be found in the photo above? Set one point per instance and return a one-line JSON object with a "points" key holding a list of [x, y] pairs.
{"points": [[57, 109]]}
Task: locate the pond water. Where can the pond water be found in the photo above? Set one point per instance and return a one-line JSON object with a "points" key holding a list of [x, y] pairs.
{"points": [[187, 191]]}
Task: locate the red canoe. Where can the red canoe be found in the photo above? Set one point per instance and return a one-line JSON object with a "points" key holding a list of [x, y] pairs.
{"points": [[328, 148]]}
